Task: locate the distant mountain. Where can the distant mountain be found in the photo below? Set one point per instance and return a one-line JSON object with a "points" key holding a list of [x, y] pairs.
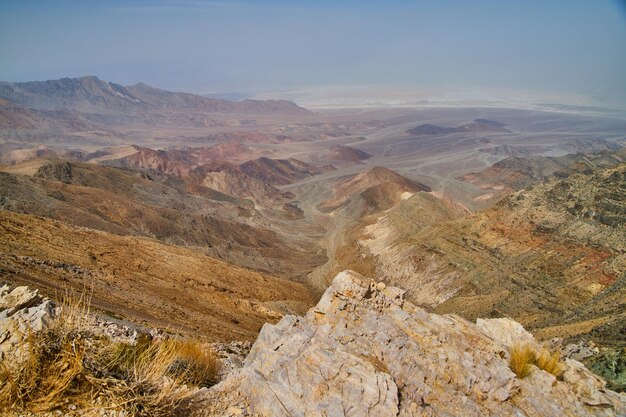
{"points": [[347, 153], [167, 100], [87, 94], [281, 171], [478, 125], [515, 172], [92, 95], [16, 118]]}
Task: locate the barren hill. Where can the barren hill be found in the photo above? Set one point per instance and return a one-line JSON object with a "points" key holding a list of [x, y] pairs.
{"points": [[551, 257], [381, 186], [145, 280], [281, 171], [478, 125], [347, 153]]}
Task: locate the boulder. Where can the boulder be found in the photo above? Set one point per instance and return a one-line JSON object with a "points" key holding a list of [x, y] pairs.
{"points": [[21, 310], [365, 351]]}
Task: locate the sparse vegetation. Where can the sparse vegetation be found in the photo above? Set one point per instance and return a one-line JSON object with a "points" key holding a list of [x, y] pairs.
{"points": [[522, 356], [549, 362], [65, 365]]}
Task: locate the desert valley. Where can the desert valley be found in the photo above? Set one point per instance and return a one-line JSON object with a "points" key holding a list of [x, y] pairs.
{"points": [[209, 220], [224, 208]]}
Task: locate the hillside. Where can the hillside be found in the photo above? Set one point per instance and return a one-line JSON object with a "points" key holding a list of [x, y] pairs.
{"points": [[381, 186], [144, 280], [551, 257], [91, 95], [170, 209]]}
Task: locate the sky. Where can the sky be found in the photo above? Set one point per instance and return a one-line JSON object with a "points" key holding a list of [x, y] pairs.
{"points": [[567, 46]]}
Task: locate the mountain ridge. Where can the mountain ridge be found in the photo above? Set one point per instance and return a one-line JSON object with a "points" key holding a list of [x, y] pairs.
{"points": [[89, 94]]}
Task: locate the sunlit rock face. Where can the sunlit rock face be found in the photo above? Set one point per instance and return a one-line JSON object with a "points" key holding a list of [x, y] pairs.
{"points": [[365, 351]]}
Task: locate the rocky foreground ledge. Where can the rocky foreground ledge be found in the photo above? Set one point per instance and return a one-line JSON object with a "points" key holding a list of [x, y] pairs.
{"points": [[364, 351]]}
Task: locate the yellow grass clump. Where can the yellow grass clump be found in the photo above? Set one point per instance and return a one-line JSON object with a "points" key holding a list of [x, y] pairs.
{"points": [[522, 356], [549, 362], [65, 364]]}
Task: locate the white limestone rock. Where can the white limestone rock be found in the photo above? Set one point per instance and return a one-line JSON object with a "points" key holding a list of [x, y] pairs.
{"points": [[364, 351], [21, 310]]}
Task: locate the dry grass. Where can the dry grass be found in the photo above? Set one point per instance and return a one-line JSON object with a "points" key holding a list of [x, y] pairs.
{"points": [[550, 362], [194, 364], [65, 364], [523, 356]]}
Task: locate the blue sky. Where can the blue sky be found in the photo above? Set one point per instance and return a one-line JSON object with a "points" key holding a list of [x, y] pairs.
{"points": [[256, 46]]}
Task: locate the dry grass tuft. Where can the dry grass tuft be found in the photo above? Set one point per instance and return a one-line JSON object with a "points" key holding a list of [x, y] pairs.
{"points": [[523, 356], [194, 364], [65, 364], [550, 362], [50, 372]]}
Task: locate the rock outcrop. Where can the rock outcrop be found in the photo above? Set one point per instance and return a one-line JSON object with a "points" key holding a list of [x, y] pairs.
{"points": [[365, 351], [21, 310]]}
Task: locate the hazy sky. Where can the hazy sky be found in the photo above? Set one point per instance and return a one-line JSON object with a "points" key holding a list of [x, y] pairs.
{"points": [[248, 46]]}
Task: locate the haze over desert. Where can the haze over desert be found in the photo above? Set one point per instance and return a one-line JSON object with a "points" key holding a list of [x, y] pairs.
{"points": [[314, 209]]}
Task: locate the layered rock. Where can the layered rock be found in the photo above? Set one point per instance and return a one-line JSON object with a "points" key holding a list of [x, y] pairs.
{"points": [[552, 257], [365, 351], [21, 310]]}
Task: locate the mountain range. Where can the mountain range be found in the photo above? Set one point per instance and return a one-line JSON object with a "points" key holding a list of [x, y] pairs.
{"points": [[228, 222], [91, 95]]}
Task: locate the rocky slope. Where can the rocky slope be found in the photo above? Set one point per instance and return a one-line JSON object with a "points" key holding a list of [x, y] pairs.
{"points": [[517, 172], [365, 351], [142, 279], [551, 257], [380, 186]]}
